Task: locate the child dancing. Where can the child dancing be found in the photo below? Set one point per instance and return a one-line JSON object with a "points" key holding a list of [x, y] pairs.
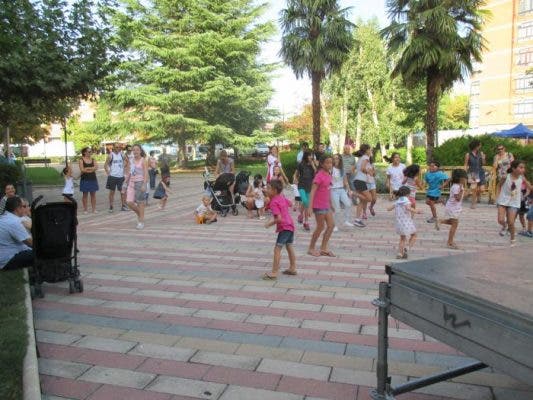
{"points": [[454, 205], [405, 225]]}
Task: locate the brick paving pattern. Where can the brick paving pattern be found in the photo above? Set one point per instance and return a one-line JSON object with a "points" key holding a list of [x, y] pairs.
{"points": [[178, 311]]}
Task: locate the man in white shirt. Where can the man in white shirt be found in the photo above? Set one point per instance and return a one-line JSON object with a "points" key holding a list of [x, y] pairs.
{"points": [[15, 241], [115, 165]]}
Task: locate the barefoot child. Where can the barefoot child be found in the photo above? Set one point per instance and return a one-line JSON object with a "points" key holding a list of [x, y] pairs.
{"points": [[279, 206], [454, 205], [435, 180], [68, 189], [162, 191], [405, 225], [320, 205], [204, 214]]}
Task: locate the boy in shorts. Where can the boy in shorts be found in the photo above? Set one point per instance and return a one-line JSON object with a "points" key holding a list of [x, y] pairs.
{"points": [[435, 180], [279, 206]]}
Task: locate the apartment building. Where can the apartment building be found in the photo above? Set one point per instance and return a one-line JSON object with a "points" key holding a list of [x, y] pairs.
{"points": [[501, 92]]}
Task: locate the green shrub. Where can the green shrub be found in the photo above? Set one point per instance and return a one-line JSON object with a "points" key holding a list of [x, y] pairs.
{"points": [[288, 161], [418, 153], [8, 174], [453, 151]]}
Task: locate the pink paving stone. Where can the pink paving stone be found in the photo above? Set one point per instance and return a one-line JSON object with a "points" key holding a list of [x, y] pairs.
{"points": [[71, 388], [359, 319], [236, 326], [231, 293], [315, 388], [317, 315], [184, 320], [328, 300], [300, 333], [418, 345], [279, 296], [174, 368], [111, 392], [60, 352], [241, 377], [276, 312], [110, 359]]}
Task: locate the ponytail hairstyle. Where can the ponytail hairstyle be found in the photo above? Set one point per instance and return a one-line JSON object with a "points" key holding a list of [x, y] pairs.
{"points": [[362, 150], [457, 175], [391, 158], [403, 191], [411, 171]]}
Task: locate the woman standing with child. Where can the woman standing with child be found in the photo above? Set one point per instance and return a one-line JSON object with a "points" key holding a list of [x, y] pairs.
{"points": [[320, 205], [137, 180]]}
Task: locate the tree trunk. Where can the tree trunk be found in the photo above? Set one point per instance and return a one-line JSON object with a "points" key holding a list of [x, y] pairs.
{"points": [[375, 119], [359, 128], [432, 107], [316, 78], [344, 120], [333, 137], [409, 154], [6, 142]]}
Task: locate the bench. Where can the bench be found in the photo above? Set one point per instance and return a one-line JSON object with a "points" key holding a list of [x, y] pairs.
{"points": [[44, 161]]}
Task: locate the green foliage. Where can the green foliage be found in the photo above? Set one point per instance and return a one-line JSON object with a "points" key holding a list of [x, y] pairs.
{"points": [[288, 161], [9, 174], [418, 153], [192, 72], [454, 112], [13, 335]]}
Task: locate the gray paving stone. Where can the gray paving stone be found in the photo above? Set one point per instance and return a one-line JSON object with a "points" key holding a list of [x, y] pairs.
{"points": [[245, 393], [273, 320], [119, 377], [164, 352], [226, 360], [285, 305], [138, 279], [369, 312], [115, 289], [187, 387], [371, 352], [445, 360], [200, 297], [313, 293], [223, 315], [56, 337], [175, 310], [511, 394], [156, 293], [298, 370], [63, 369], [251, 338], [246, 301], [324, 282], [313, 345], [331, 326], [82, 301], [126, 305], [105, 344], [204, 333]]}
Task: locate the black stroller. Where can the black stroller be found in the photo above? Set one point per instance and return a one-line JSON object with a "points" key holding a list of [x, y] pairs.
{"points": [[242, 181], [222, 200], [54, 245]]}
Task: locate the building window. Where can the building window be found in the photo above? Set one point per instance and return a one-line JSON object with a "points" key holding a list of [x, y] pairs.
{"points": [[524, 83], [525, 56], [474, 115], [524, 109], [526, 6], [474, 88], [525, 31]]}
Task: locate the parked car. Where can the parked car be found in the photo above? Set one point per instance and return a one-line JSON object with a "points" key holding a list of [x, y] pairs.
{"points": [[261, 150]]}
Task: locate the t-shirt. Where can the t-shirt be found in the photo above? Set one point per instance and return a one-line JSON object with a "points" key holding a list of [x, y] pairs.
{"points": [[202, 209], [306, 173], [454, 206], [323, 182], [396, 175], [279, 205], [434, 181], [225, 168], [360, 175], [337, 179], [12, 235], [348, 163]]}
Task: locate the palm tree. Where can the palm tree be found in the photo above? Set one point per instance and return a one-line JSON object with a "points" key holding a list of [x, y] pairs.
{"points": [[437, 42], [316, 40]]}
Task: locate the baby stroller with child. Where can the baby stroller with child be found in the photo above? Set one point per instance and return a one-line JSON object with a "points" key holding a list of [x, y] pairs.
{"points": [[54, 232], [222, 199]]}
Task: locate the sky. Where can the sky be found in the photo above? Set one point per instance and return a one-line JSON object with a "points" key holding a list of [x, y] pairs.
{"points": [[291, 94]]}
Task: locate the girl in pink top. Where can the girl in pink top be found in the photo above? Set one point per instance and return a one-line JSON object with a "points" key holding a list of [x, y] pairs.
{"points": [[320, 205]]}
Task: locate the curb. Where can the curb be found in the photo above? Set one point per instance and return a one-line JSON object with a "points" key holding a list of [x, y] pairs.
{"points": [[31, 389]]}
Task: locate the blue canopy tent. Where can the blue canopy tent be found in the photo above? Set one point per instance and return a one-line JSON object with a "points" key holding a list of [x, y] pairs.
{"points": [[520, 131]]}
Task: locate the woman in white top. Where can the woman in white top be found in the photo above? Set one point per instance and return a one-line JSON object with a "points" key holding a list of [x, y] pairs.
{"points": [[509, 199], [340, 191], [394, 174], [360, 182], [272, 161]]}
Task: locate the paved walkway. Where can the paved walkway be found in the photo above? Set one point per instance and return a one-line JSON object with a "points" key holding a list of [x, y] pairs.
{"points": [[178, 311]]}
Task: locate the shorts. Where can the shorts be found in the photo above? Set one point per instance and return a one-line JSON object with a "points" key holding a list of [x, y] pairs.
{"points": [[350, 181], [371, 185], [304, 197], [433, 198], [321, 211], [360, 186], [285, 238], [135, 194], [473, 178], [452, 214], [259, 203], [530, 214], [114, 183], [510, 208]]}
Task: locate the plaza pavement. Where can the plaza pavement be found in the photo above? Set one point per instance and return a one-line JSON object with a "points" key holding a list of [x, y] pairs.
{"points": [[178, 311]]}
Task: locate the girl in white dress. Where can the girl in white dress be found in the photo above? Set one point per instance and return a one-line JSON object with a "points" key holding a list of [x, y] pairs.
{"points": [[405, 225]]}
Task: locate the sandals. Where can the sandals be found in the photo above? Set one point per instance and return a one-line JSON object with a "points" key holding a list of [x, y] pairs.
{"points": [[327, 253], [289, 272], [453, 246], [267, 277], [314, 253]]}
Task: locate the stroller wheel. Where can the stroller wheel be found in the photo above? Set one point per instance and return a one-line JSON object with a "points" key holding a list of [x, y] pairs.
{"points": [[223, 213], [79, 285], [71, 286], [235, 211]]}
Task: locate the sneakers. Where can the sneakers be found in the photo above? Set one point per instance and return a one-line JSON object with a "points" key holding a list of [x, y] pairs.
{"points": [[262, 217], [502, 232], [359, 223], [348, 223], [140, 225], [526, 234], [124, 208], [372, 212], [306, 227], [431, 220], [110, 211], [335, 229]]}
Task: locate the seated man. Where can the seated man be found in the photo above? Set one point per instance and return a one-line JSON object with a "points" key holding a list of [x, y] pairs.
{"points": [[14, 238]]}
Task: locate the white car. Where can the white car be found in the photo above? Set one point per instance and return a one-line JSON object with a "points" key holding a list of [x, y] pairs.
{"points": [[261, 150]]}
